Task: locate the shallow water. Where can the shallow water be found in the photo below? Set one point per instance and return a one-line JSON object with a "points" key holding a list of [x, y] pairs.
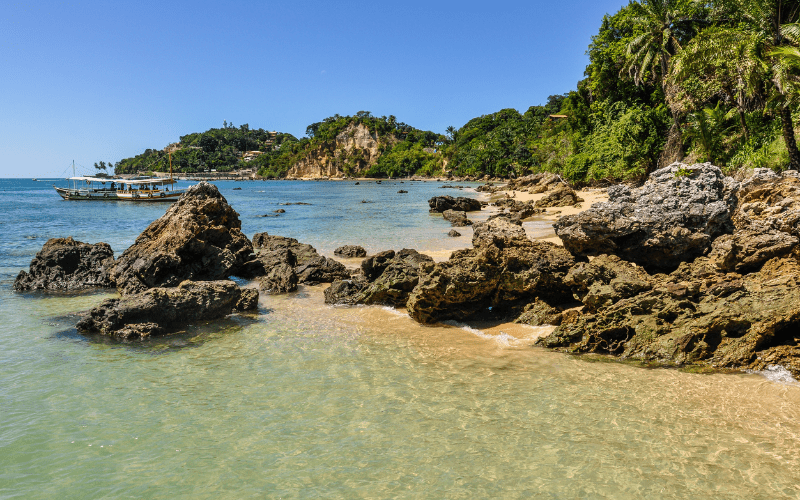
{"points": [[304, 400]]}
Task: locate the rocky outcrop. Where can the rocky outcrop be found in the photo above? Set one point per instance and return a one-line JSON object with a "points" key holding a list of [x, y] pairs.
{"points": [[65, 264], [161, 310], [695, 315], [456, 219], [672, 218], [460, 204], [563, 196], [356, 146], [199, 238], [350, 251], [499, 232], [387, 281], [496, 279], [277, 253]]}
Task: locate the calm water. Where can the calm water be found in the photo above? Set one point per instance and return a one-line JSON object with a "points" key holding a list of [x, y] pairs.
{"points": [[307, 401]]}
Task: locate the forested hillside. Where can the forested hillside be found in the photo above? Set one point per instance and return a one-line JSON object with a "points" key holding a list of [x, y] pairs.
{"points": [[667, 79]]}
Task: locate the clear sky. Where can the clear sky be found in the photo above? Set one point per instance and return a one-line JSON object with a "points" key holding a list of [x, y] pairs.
{"points": [[90, 81]]}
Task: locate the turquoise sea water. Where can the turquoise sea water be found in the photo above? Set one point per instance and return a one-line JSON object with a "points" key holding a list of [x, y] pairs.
{"points": [[303, 400]]}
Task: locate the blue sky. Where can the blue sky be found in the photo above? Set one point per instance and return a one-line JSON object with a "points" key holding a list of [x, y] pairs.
{"points": [[95, 81]]}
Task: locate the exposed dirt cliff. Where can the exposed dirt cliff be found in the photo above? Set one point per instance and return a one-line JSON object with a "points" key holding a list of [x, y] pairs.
{"points": [[354, 151]]}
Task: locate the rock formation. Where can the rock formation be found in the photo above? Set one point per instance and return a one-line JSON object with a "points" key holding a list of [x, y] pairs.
{"points": [[672, 218], [198, 238], [388, 279], [350, 251], [460, 204], [356, 145], [564, 196], [65, 264], [161, 310], [503, 273], [308, 266], [456, 218]]}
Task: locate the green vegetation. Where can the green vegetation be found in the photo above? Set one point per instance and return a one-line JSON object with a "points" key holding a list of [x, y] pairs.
{"points": [[714, 81]]}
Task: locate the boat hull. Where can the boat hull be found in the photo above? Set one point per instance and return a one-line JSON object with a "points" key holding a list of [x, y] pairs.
{"points": [[108, 195]]}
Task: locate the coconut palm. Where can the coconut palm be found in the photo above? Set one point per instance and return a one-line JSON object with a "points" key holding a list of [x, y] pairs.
{"points": [[706, 127], [661, 25], [758, 40]]}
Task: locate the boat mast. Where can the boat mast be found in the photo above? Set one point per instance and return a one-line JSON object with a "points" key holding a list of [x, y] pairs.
{"points": [[74, 182]]}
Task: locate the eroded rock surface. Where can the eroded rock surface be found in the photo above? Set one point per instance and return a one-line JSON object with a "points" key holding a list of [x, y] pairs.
{"points": [[161, 310], [456, 218], [564, 196], [278, 253], [65, 264], [387, 281], [199, 238], [350, 251], [672, 218], [460, 204]]}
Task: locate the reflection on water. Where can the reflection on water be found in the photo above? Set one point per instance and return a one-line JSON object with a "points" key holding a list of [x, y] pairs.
{"points": [[306, 400]]}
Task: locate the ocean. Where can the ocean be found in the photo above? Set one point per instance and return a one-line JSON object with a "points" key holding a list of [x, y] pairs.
{"points": [[304, 400]]}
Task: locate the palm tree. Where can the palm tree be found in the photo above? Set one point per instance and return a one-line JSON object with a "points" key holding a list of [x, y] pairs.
{"points": [[661, 24], [759, 39], [706, 127]]}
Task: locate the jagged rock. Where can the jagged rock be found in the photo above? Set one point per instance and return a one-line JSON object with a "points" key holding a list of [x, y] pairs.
{"points": [[321, 270], [523, 210], [749, 248], [456, 219], [460, 204], [344, 292], [696, 315], [606, 280], [310, 267], [160, 310], [539, 313], [499, 232], [375, 265], [350, 251], [489, 281], [453, 233], [199, 238], [279, 272], [402, 191], [562, 197], [398, 276], [65, 264], [672, 218]]}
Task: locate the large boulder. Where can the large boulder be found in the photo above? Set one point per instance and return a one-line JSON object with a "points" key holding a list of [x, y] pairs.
{"points": [[65, 264], [161, 310], [350, 251], [456, 218], [491, 282], [309, 266], [198, 238], [388, 283], [672, 218], [499, 232], [460, 204], [564, 196]]}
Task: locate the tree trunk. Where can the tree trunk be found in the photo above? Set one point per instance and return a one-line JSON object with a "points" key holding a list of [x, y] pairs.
{"points": [[789, 138]]}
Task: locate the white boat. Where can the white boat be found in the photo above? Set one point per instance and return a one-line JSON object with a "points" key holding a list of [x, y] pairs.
{"points": [[149, 190], [90, 188]]}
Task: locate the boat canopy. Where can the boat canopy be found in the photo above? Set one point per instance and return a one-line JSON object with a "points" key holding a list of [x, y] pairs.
{"points": [[95, 179], [152, 180]]}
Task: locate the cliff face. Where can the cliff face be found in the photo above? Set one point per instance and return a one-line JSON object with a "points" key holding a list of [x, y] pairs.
{"points": [[355, 150]]}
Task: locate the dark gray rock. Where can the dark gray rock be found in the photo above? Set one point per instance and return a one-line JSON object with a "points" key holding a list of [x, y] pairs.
{"points": [[310, 267], [199, 238], [350, 251], [375, 265], [456, 218], [672, 218], [161, 310], [65, 264], [461, 204], [398, 276], [453, 233]]}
